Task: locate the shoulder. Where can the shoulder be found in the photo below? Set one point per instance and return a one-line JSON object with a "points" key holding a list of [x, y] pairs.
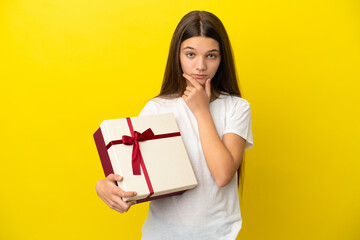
{"points": [[238, 118], [162, 101], [234, 102], [159, 105]]}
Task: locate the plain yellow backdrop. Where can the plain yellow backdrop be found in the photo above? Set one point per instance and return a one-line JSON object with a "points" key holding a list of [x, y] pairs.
{"points": [[67, 65]]}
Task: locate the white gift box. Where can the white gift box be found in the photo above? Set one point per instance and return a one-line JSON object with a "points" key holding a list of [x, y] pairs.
{"points": [[165, 166]]}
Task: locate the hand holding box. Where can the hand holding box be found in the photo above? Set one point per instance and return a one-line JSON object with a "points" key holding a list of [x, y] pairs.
{"points": [[149, 153]]}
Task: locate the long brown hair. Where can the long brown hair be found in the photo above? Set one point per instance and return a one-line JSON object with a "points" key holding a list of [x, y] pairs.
{"points": [[204, 24], [196, 24]]}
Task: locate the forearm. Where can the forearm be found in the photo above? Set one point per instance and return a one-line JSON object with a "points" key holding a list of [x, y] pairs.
{"points": [[218, 158]]}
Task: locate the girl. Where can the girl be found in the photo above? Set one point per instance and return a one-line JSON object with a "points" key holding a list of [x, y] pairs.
{"points": [[200, 88]]}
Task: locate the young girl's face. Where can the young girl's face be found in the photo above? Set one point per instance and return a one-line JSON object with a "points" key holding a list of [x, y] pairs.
{"points": [[200, 58]]}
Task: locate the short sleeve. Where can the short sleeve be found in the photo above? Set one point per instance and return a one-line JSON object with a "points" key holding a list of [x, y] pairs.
{"points": [[238, 121]]}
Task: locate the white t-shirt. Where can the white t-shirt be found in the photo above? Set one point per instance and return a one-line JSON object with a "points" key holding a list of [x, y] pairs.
{"points": [[207, 211]]}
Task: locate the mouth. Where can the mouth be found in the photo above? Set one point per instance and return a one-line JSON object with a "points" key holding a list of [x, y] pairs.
{"points": [[199, 76]]}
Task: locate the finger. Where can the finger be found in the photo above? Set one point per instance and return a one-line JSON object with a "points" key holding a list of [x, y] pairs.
{"points": [[186, 93], [124, 205], [129, 194], [114, 177], [106, 201], [117, 191], [191, 80], [116, 206], [131, 203], [125, 209], [121, 193], [120, 210], [208, 87], [190, 88], [117, 203]]}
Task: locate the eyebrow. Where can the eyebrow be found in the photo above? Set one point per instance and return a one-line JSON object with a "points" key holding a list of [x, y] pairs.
{"points": [[213, 50]]}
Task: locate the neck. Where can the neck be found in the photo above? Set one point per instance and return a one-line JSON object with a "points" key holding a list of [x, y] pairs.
{"points": [[214, 95]]}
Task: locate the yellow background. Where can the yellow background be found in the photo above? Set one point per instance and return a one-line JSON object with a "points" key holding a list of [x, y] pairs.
{"points": [[68, 65]]}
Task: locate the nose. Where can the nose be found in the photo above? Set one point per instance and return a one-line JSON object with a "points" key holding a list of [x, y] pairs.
{"points": [[201, 64]]}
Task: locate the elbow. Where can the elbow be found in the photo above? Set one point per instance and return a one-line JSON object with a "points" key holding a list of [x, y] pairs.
{"points": [[222, 181], [225, 176]]}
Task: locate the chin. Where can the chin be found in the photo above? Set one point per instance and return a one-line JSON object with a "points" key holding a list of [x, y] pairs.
{"points": [[202, 83]]}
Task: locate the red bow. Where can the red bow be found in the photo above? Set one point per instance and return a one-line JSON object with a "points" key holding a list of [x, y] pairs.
{"points": [[137, 160], [136, 154]]}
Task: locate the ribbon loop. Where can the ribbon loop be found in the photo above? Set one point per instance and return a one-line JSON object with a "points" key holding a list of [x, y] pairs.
{"points": [[137, 160], [146, 135], [136, 154]]}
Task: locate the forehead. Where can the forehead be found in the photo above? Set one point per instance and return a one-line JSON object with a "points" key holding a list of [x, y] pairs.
{"points": [[200, 43]]}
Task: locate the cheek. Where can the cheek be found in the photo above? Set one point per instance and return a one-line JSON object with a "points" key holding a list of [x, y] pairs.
{"points": [[181, 63], [215, 67], [184, 64]]}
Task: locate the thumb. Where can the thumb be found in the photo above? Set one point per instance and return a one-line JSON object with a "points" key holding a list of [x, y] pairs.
{"points": [[208, 87], [114, 177]]}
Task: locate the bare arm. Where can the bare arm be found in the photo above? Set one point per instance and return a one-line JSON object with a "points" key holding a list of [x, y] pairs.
{"points": [[223, 157]]}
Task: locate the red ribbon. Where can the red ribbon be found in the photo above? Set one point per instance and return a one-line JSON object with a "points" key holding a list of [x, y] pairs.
{"points": [[136, 154], [137, 160]]}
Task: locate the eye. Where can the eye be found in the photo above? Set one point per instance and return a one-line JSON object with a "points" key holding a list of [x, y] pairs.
{"points": [[190, 54], [211, 56]]}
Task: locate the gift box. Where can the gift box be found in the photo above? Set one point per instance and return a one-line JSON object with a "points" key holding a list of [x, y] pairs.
{"points": [[149, 153]]}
